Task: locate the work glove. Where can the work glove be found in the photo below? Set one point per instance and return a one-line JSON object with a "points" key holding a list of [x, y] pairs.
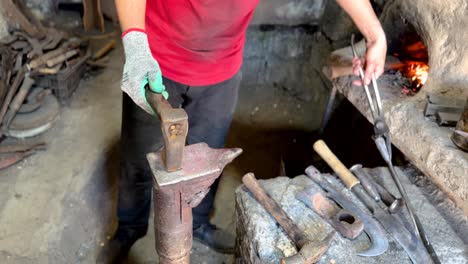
{"points": [[140, 69]]}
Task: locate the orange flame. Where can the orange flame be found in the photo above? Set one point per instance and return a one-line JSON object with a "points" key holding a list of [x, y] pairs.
{"points": [[417, 72]]}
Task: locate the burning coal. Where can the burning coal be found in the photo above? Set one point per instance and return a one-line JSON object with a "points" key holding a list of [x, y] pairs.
{"points": [[414, 58]]}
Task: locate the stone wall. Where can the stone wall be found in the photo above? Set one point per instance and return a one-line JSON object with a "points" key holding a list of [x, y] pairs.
{"points": [[3, 27], [291, 12]]}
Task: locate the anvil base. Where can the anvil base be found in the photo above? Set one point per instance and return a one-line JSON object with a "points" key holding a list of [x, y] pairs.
{"points": [[176, 193]]}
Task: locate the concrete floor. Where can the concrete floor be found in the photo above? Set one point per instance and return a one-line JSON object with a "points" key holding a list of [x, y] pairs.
{"points": [[58, 206]]}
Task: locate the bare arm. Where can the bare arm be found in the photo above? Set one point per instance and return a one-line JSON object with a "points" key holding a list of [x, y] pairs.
{"points": [[131, 13], [364, 17]]}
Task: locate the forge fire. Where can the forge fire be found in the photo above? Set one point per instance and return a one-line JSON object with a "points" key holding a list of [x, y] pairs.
{"points": [[413, 64]]}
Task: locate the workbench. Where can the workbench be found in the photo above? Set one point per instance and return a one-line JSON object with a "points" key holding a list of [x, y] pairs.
{"points": [[261, 240]]}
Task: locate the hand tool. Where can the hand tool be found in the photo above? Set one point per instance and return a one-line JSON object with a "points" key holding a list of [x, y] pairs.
{"points": [[395, 205], [409, 241], [309, 251], [11, 92], [384, 145], [342, 220], [182, 176], [21, 147], [376, 234], [61, 58], [15, 158], [381, 195], [17, 101], [174, 126], [331, 101]]}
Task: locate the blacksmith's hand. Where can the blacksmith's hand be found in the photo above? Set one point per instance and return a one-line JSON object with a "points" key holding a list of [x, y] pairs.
{"points": [[140, 69], [374, 59]]}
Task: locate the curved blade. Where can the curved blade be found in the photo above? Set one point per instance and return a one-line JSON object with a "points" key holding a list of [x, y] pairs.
{"points": [[375, 232]]}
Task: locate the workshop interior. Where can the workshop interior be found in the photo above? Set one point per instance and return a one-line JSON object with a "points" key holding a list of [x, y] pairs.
{"points": [[316, 165]]}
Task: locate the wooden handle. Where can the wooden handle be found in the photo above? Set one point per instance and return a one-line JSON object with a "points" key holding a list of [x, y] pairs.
{"points": [[291, 229], [157, 102], [105, 49], [345, 175]]}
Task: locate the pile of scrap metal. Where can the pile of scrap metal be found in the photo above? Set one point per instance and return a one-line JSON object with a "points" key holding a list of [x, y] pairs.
{"points": [[40, 66]]}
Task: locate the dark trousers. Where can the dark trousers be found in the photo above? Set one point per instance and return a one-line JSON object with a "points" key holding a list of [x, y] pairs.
{"points": [[210, 110]]}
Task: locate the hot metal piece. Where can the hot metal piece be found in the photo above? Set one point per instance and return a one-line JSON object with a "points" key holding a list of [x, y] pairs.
{"points": [[176, 193]]}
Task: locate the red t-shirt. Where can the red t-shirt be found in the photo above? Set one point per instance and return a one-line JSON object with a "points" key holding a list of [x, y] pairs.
{"points": [[198, 42]]}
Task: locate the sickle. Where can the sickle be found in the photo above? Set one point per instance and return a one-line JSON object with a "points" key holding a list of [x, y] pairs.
{"points": [[375, 232]]}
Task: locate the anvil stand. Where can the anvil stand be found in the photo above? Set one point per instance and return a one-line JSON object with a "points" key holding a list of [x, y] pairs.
{"points": [[182, 178], [176, 193]]}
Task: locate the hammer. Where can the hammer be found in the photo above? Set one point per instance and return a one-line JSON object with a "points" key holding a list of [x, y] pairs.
{"points": [[309, 251]]}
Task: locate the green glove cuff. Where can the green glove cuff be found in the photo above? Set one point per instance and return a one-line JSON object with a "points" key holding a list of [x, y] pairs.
{"points": [[156, 86]]}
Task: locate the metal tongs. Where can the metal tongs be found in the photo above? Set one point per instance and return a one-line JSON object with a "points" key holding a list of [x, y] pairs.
{"points": [[384, 145]]}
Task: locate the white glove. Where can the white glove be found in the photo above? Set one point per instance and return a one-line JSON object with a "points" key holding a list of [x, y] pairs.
{"points": [[140, 69]]}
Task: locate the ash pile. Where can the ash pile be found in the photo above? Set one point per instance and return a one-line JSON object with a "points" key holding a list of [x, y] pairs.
{"points": [[40, 69]]}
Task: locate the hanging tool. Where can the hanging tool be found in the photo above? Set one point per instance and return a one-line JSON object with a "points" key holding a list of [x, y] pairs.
{"points": [[407, 239], [375, 232], [384, 145], [309, 251]]}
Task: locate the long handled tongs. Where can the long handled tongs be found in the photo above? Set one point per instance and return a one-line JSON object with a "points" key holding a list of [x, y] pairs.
{"points": [[384, 145]]}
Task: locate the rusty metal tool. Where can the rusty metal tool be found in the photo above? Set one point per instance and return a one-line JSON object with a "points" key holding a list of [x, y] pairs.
{"points": [[15, 158], [11, 92], [22, 147], [384, 145], [174, 127], [308, 251], [375, 191], [17, 101], [16, 17], [407, 239], [342, 220], [375, 232], [182, 178]]}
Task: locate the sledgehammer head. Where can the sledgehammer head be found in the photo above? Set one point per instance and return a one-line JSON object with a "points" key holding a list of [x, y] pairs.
{"points": [[310, 252]]}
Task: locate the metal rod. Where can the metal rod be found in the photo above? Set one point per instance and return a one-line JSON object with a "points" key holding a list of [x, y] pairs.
{"points": [[326, 115], [418, 228], [377, 95], [366, 88], [384, 148]]}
